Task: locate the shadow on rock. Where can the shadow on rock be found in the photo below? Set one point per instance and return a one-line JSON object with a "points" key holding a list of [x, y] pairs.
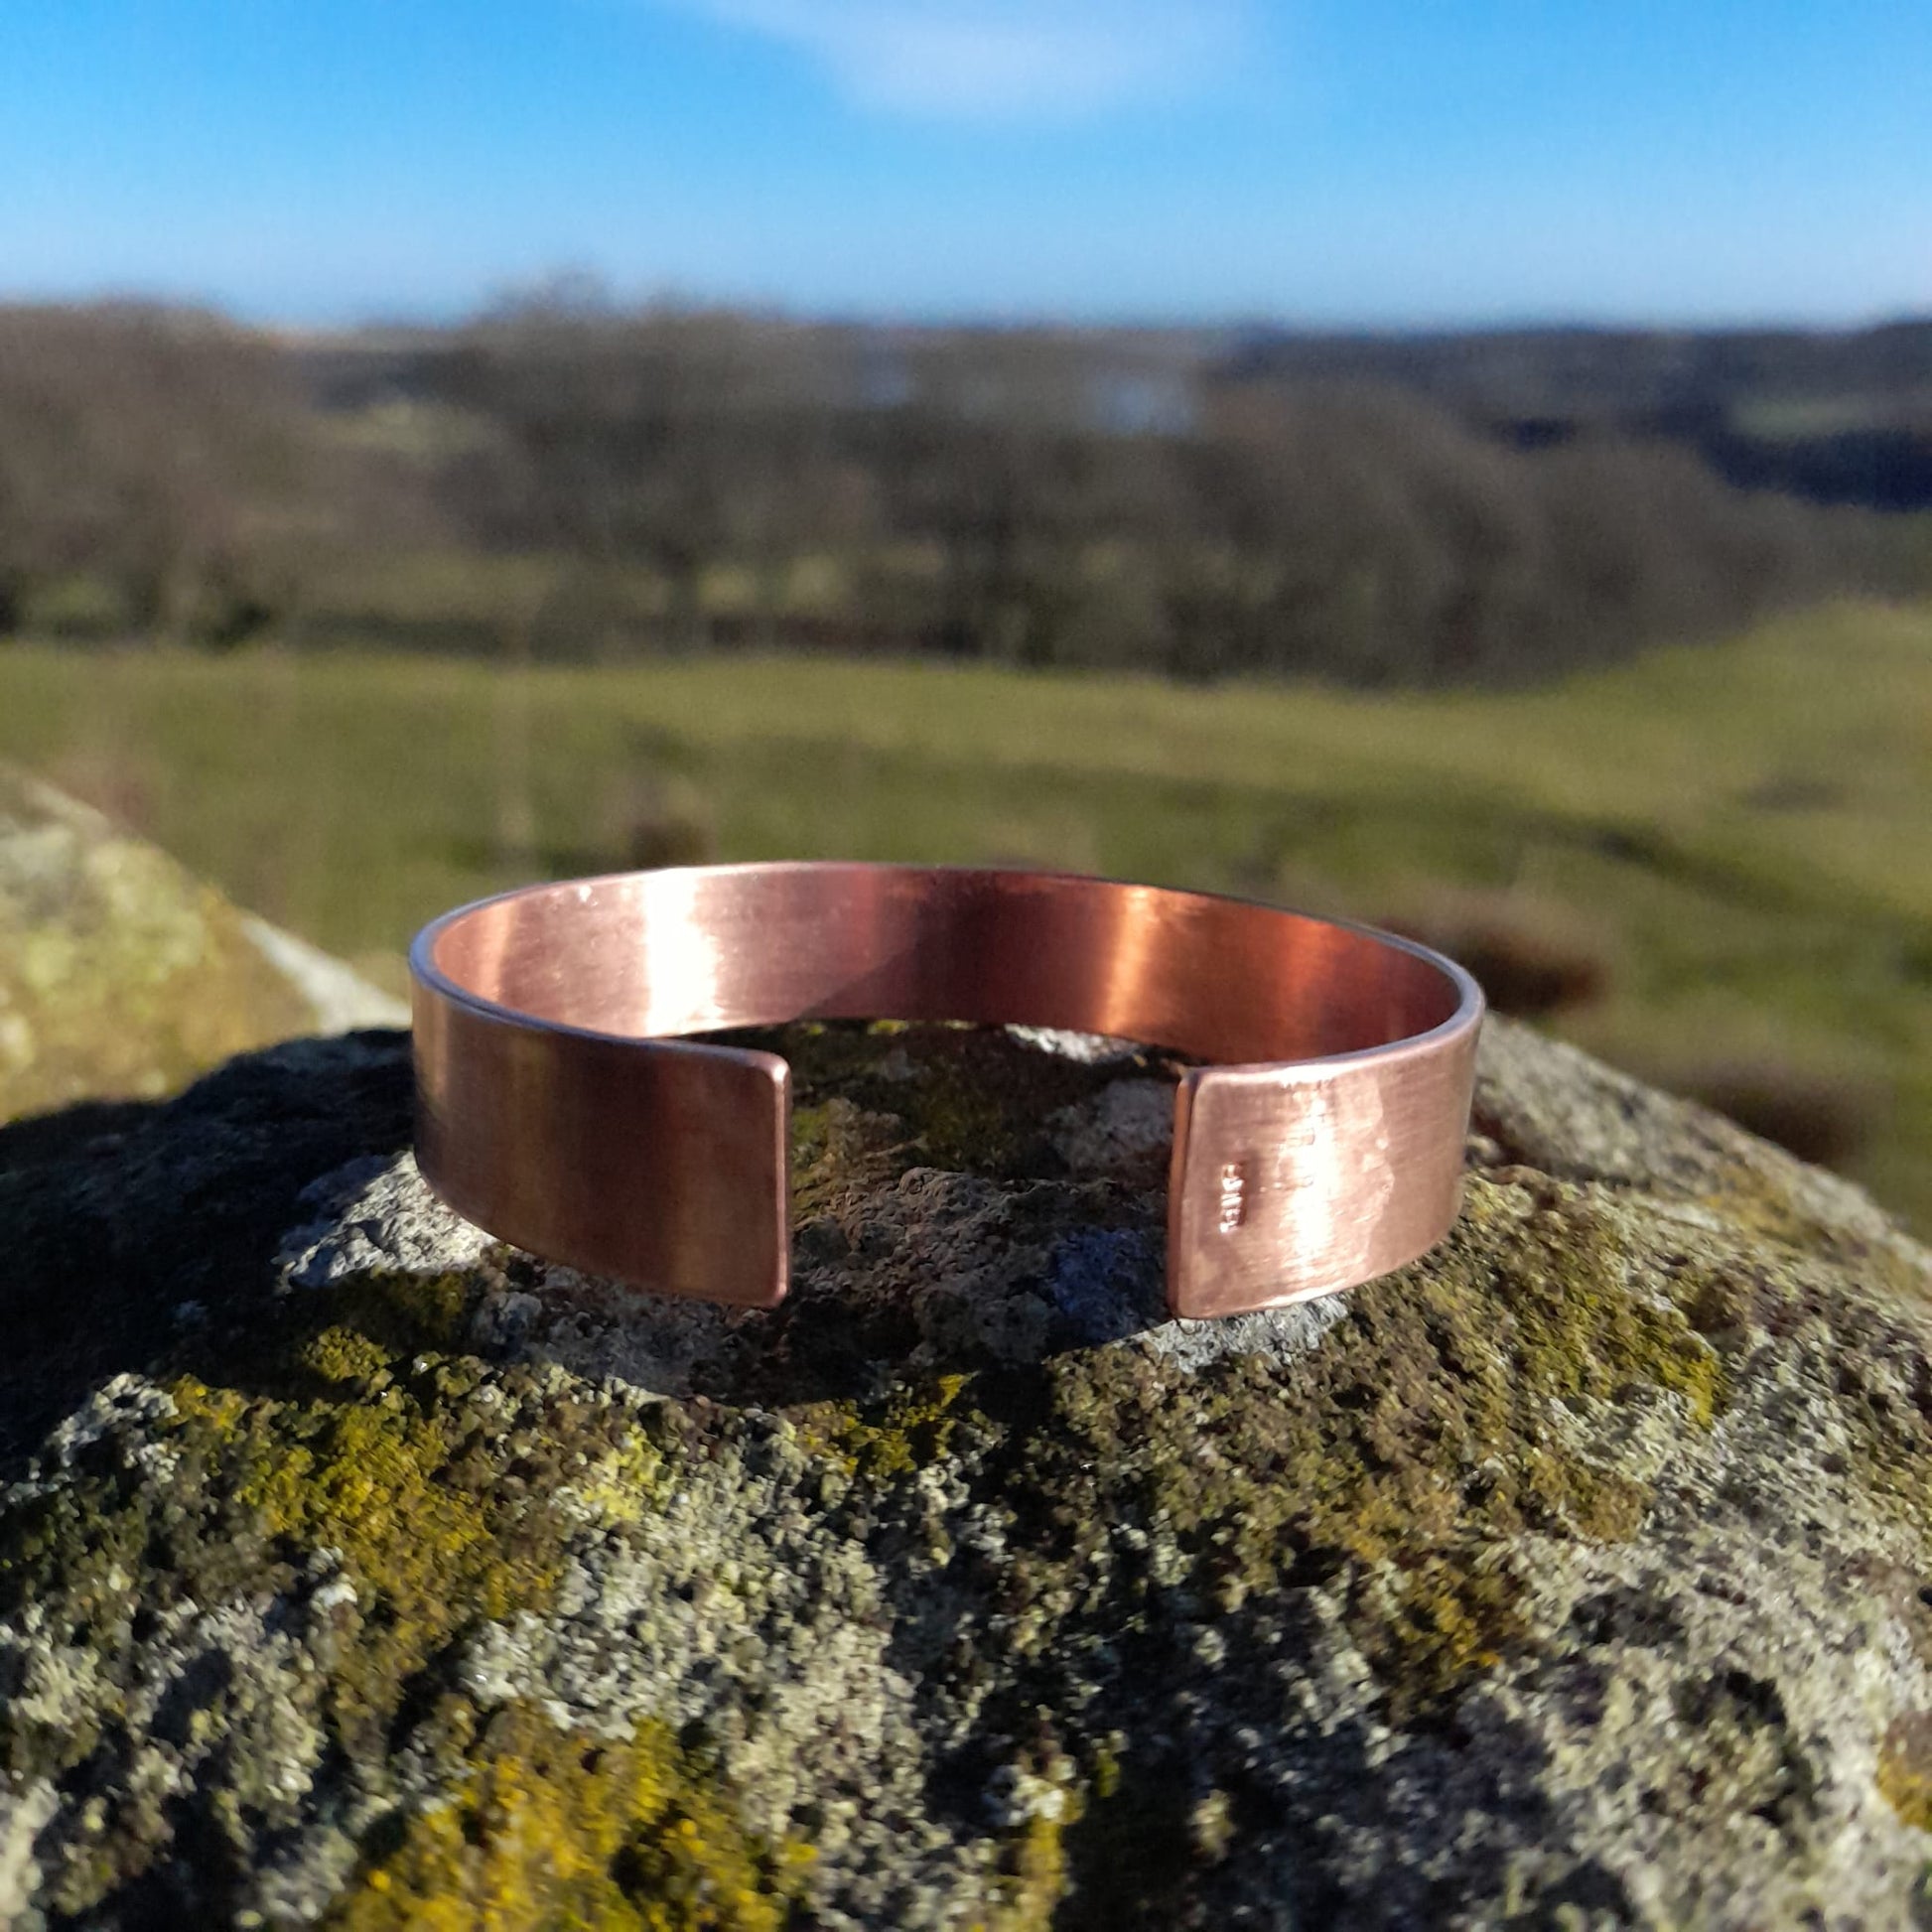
{"points": [[135, 1230]]}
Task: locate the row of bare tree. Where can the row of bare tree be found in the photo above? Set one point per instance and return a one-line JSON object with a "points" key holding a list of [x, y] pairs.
{"points": [[1039, 496]]}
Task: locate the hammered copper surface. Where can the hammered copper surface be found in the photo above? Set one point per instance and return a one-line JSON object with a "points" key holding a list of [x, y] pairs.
{"points": [[556, 1110]]}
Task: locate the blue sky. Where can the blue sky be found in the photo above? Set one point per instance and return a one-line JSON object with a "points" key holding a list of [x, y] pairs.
{"points": [[1313, 161]]}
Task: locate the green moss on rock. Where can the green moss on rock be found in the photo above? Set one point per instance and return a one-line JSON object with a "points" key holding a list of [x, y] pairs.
{"points": [[872, 1100], [1396, 1456]]}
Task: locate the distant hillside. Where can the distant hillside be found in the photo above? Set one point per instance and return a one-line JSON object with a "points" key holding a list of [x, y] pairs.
{"points": [[1835, 417], [1842, 417]]}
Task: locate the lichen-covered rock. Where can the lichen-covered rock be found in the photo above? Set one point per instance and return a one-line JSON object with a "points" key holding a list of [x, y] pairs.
{"points": [[366, 1574], [123, 976]]}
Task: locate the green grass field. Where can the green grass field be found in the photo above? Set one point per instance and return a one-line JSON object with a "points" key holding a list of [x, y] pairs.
{"points": [[1726, 850]]}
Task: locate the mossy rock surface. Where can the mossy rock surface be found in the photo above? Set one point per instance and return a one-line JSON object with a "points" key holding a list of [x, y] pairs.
{"points": [[122, 976], [359, 1572]]}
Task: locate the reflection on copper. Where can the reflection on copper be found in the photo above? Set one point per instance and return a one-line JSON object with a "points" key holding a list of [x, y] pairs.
{"points": [[559, 1108]]}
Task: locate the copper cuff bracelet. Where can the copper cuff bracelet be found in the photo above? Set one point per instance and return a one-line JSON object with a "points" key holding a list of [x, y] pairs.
{"points": [[1320, 1148]]}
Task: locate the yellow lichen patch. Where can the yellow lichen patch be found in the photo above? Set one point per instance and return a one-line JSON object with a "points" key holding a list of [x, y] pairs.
{"points": [[445, 1492], [1033, 1875], [1437, 1625], [369, 1478], [1036, 1877], [220, 1414], [556, 1831], [344, 1355], [964, 1123], [620, 1485], [1905, 1769], [909, 1431], [402, 1313], [1574, 1324]]}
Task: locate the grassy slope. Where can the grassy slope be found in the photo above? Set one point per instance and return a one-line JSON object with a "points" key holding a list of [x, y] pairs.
{"points": [[1743, 834]]}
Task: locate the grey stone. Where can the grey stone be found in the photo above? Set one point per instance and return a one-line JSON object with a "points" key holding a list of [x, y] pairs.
{"points": [[1577, 1575], [373, 1214], [122, 975]]}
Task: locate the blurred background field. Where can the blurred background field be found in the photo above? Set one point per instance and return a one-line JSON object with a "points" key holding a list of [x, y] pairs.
{"points": [[1711, 864], [1601, 657]]}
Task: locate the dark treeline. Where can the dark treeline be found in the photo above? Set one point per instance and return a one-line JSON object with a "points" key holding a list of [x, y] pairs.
{"points": [[1842, 416], [560, 479], [1576, 371]]}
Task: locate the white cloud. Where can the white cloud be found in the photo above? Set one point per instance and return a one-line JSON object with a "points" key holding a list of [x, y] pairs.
{"points": [[1030, 59]]}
